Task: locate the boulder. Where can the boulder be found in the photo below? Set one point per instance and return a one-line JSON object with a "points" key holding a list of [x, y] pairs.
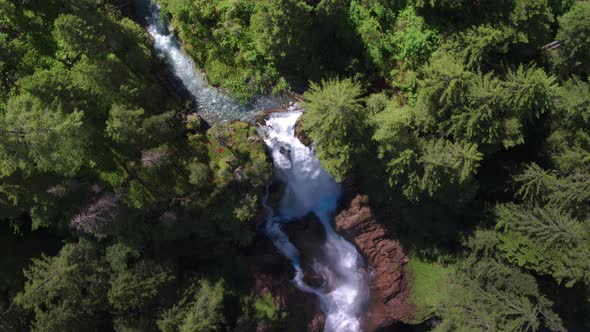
{"points": [[303, 138], [356, 221], [308, 236], [272, 273]]}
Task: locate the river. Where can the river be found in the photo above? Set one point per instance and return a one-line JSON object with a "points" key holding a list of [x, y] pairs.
{"points": [[213, 104], [309, 189]]}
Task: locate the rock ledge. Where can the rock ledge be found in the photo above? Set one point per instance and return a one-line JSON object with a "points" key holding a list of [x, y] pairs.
{"points": [[386, 258]]}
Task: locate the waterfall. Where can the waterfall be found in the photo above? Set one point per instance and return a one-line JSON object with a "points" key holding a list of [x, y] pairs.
{"points": [[310, 189], [214, 106]]}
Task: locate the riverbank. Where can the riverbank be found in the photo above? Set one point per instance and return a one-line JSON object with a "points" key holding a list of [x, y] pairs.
{"points": [[269, 275]]}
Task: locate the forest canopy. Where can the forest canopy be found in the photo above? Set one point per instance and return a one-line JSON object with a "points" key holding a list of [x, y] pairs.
{"points": [[467, 123]]}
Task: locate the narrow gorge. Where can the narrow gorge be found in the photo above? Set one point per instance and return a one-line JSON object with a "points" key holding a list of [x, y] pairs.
{"points": [[343, 290], [330, 269]]}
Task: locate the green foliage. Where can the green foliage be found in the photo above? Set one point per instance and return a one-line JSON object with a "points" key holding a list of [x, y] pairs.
{"points": [[278, 28], [531, 91], [54, 114], [413, 41], [134, 289], [237, 155], [430, 287], [390, 36], [460, 95], [22, 246], [75, 37], [422, 167], [544, 240], [251, 47], [260, 312], [492, 296], [335, 121], [199, 174], [193, 122], [74, 290], [199, 309], [477, 45], [559, 7], [456, 162], [248, 209], [237, 34], [482, 108], [84, 115], [123, 124], [574, 35], [41, 137], [376, 103], [569, 141], [540, 186], [118, 256], [65, 292], [371, 19], [531, 20], [266, 309]]}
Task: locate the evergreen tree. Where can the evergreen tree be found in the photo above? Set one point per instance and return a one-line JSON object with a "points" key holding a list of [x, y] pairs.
{"points": [[490, 296], [135, 288], [574, 35], [199, 309], [335, 121], [66, 292], [545, 240]]}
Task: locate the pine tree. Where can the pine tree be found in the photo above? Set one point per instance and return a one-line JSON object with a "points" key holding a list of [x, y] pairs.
{"points": [[335, 120], [574, 34], [199, 309], [545, 240]]}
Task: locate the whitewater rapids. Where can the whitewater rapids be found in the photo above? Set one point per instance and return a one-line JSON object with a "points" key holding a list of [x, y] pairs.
{"points": [[310, 189]]}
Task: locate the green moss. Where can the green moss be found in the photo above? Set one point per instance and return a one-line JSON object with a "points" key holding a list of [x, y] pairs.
{"points": [[430, 286], [233, 151]]}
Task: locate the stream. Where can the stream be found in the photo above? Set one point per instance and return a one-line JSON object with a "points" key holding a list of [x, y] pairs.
{"points": [[309, 189], [213, 104]]}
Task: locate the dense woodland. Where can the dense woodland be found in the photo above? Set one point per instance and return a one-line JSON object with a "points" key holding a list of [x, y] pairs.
{"points": [[122, 211]]}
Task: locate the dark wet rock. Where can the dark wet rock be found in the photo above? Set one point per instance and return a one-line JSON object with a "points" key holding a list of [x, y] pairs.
{"points": [[303, 138], [272, 273], [275, 194], [313, 279], [308, 236]]}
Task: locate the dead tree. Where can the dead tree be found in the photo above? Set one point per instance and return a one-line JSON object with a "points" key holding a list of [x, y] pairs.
{"points": [[154, 158], [98, 215]]}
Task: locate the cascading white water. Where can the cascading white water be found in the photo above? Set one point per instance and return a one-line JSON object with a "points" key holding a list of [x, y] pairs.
{"points": [[310, 189], [213, 104]]}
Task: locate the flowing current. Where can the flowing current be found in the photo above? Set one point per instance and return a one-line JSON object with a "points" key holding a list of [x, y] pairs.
{"points": [[309, 189], [213, 104]]}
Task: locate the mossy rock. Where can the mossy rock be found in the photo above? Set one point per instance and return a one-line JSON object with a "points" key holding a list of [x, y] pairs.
{"points": [[237, 154]]}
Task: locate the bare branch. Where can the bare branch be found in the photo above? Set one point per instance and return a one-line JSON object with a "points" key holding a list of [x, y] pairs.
{"points": [[98, 215]]}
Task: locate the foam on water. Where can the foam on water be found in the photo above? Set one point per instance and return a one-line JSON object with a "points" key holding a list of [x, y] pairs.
{"points": [[308, 187], [311, 189]]}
